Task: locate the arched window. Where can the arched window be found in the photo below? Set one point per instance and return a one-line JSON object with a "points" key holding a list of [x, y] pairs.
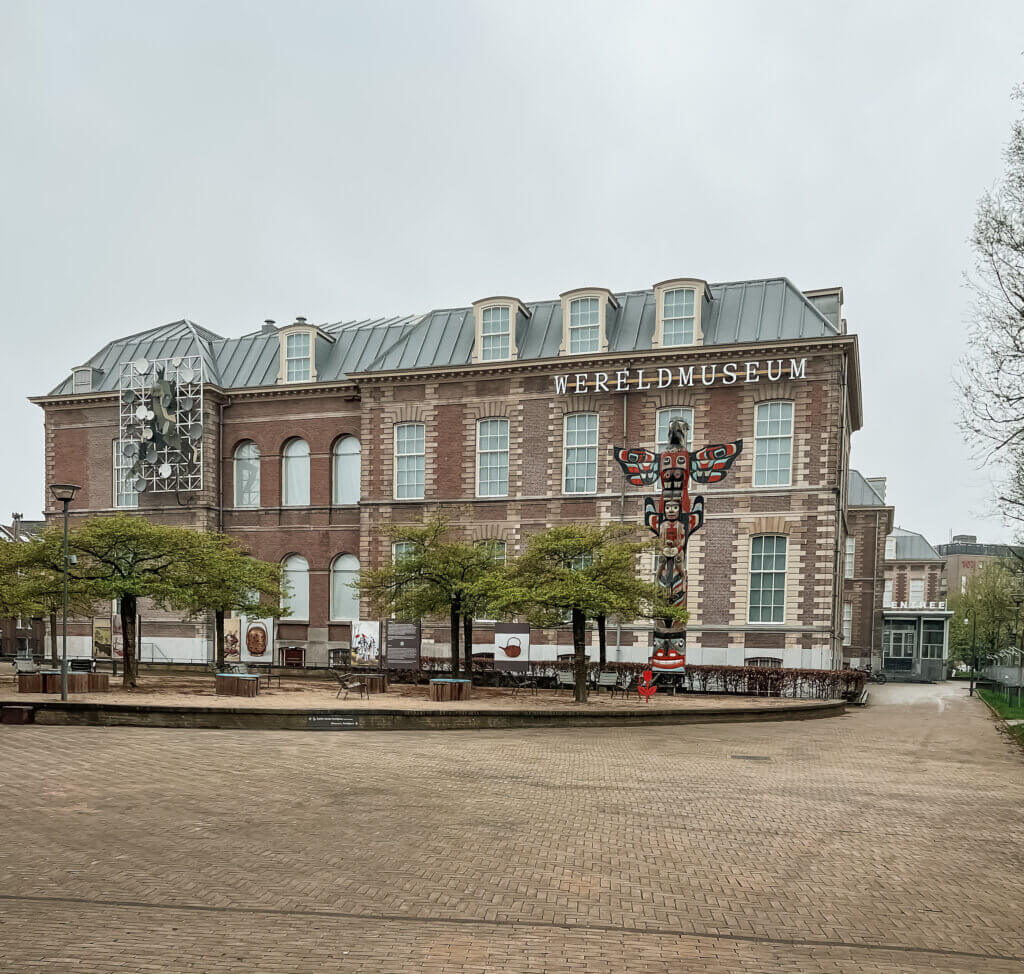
{"points": [[296, 576], [295, 474], [346, 470], [247, 475], [344, 598]]}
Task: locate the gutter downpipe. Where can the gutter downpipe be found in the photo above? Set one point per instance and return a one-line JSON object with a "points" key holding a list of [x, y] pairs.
{"points": [[837, 600]]}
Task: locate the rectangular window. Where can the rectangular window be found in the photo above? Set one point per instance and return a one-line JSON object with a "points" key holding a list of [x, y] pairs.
{"points": [[890, 547], [297, 357], [400, 549], [677, 317], [580, 458], [495, 330], [125, 494], [773, 444], [917, 590], [81, 380], [584, 326], [768, 578], [931, 639], [409, 460], [847, 623], [492, 458], [665, 416], [851, 554], [887, 594]]}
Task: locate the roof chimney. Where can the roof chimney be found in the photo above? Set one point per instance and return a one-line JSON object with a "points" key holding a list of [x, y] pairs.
{"points": [[269, 327], [879, 484], [299, 320]]}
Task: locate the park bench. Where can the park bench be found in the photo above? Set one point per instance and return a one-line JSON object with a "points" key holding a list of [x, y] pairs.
{"points": [[564, 680], [607, 681]]}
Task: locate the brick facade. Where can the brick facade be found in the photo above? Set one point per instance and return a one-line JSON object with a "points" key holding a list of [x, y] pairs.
{"points": [[81, 430]]}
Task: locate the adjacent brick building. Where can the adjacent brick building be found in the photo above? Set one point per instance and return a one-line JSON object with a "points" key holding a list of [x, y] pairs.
{"points": [[506, 411]]}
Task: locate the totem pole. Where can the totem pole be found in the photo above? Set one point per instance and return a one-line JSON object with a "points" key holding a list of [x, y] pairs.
{"points": [[673, 517]]}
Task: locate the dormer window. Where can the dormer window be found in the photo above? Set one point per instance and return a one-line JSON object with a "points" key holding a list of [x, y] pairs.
{"points": [[680, 305], [584, 321], [494, 334], [584, 326], [300, 344], [495, 328], [82, 379], [678, 317], [298, 360]]}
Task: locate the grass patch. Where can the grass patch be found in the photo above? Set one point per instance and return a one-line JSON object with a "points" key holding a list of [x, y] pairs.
{"points": [[1003, 706]]}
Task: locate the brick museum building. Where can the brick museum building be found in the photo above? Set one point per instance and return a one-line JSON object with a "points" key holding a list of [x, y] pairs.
{"points": [[300, 440]]}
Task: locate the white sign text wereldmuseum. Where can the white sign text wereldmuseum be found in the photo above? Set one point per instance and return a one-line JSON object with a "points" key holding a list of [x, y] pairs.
{"points": [[623, 380]]}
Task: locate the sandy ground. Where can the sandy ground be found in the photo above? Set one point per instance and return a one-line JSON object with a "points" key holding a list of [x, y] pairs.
{"points": [[175, 690]]}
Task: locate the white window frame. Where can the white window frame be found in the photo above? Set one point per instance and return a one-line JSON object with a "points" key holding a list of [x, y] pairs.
{"points": [[335, 616], [120, 467], [287, 501], [285, 602], [761, 441], [691, 317], [669, 413], [398, 549], [566, 448], [422, 481], [593, 303], [289, 358], [337, 453], [890, 547], [481, 453], [487, 316], [847, 623], [761, 572], [919, 584], [887, 592], [77, 385], [236, 479], [850, 557]]}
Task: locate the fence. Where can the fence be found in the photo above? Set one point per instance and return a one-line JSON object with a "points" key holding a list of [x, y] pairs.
{"points": [[761, 681]]}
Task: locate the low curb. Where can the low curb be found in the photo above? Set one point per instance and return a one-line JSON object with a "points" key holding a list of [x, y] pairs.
{"points": [[237, 718]]}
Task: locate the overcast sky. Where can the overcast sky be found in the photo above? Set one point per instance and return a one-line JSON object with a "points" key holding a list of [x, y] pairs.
{"points": [[230, 162]]}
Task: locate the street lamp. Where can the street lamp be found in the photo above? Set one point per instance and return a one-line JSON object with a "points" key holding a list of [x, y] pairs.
{"points": [[65, 493]]}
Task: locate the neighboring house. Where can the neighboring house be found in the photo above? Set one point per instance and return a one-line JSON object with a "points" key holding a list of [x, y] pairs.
{"points": [[964, 556], [869, 522], [21, 637], [915, 636]]}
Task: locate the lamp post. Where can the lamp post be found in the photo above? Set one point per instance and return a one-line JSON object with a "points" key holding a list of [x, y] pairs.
{"points": [[974, 650], [65, 493]]}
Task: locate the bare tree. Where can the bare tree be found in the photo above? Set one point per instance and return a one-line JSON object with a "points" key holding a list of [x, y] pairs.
{"points": [[991, 379]]}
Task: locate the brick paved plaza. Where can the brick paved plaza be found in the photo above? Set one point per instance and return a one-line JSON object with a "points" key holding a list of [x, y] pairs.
{"points": [[885, 840]]}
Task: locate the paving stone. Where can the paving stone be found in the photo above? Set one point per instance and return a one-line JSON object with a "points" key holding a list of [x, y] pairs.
{"points": [[885, 840]]}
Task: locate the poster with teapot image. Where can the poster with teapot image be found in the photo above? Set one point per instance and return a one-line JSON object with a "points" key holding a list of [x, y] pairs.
{"points": [[365, 643], [512, 641]]}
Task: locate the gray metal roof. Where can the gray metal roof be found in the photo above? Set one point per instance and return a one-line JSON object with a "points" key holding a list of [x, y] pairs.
{"points": [[911, 546], [767, 310], [985, 550], [861, 494]]}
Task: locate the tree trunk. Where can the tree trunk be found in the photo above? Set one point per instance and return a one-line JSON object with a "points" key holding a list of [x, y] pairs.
{"points": [[579, 645], [602, 642], [455, 637], [218, 637], [53, 640], [467, 639], [128, 607]]}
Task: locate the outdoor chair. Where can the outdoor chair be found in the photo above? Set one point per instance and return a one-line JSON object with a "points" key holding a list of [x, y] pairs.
{"points": [[25, 666], [607, 681], [625, 685], [523, 681], [348, 682], [564, 680], [81, 665]]}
